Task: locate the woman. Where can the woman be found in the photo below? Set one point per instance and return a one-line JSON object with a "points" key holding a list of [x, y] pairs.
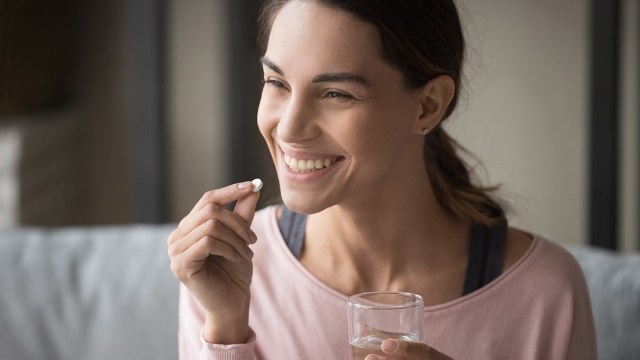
{"points": [[375, 199]]}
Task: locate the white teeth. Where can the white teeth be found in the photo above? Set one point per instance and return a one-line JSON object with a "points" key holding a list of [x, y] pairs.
{"points": [[307, 165]]}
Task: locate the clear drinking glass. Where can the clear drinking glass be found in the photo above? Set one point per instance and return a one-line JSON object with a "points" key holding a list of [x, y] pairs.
{"points": [[376, 316]]}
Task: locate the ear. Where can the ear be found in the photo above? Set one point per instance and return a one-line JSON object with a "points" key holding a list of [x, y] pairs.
{"points": [[435, 98]]}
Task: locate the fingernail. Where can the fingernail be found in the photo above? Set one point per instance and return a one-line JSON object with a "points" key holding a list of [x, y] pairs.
{"points": [[252, 236], [250, 253], [244, 185], [371, 357], [389, 346]]}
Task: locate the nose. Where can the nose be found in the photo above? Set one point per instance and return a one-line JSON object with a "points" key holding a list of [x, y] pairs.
{"points": [[297, 122]]}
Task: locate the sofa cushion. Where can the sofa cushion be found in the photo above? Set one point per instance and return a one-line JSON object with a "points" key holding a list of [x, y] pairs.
{"points": [[614, 285], [87, 293]]}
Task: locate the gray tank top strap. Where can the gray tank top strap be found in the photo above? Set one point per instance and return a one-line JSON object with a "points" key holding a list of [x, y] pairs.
{"points": [[292, 226], [486, 255]]}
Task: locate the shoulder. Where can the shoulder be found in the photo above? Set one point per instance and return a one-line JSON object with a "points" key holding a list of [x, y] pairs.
{"points": [[517, 245], [544, 262], [557, 295], [555, 256], [520, 244]]}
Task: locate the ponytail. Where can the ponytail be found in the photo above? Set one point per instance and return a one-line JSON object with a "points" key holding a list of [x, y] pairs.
{"points": [[451, 182]]}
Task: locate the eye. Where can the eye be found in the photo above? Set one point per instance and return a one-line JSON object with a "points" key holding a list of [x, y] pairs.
{"points": [[338, 95], [277, 84]]}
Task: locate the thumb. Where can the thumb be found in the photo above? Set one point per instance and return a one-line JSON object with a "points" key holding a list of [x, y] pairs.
{"points": [[246, 206]]}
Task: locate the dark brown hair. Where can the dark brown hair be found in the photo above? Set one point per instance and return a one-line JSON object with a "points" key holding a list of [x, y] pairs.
{"points": [[422, 39]]}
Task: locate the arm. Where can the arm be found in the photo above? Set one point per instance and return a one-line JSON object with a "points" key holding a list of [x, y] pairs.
{"points": [[210, 256], [582, 342], [192, 344]]}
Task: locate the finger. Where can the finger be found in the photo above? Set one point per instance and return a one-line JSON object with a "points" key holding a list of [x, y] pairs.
{"points": [[410, 350], [246, 206], [215, 229], [173, 236], [191, 262], [377, 357], [215, 247], [225, 195], [212, 211]]}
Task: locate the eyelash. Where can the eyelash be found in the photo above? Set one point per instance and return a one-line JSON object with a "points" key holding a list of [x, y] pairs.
{"points": [[332, 94], [275, 83], [338, 95]]}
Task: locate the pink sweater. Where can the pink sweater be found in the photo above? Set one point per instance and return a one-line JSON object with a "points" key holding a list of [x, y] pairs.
{"points": [[538, 309]]}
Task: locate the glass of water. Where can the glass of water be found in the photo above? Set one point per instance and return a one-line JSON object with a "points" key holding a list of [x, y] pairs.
{"points": [[376, 316]]}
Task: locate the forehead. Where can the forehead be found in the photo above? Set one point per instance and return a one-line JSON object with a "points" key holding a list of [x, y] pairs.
{"points": [[309, 36]]}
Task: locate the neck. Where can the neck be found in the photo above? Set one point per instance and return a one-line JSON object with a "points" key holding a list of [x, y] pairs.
{"points": [[370, 242]]}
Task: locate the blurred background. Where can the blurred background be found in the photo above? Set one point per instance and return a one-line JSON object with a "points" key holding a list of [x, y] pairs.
{"points": [[125, 112]]}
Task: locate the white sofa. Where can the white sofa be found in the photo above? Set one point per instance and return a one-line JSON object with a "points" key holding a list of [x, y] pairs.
{"points": [[87, 294], [107, 293]]}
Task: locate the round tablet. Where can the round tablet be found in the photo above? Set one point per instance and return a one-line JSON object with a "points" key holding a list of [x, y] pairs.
{"points": [[257, 185]]}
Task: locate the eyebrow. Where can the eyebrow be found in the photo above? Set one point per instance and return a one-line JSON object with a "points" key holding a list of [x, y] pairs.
{"points": [[271, 65], [341, 77], [327, 77]]}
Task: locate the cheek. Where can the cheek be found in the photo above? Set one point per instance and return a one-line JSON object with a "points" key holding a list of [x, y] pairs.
{"points": [[377, 142], [377, 134], [267, 118]]}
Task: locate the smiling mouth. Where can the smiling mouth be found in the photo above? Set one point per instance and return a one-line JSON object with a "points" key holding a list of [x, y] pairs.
{"points": [[307, 166]]}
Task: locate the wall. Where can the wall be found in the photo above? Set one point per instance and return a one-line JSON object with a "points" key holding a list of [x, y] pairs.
{"points": [[630, 128], [525, 111], [197, 126], [72, 159], [102, 97]]}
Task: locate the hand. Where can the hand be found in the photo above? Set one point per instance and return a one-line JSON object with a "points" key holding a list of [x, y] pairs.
{"points": [[210, 255], [407, 350]]}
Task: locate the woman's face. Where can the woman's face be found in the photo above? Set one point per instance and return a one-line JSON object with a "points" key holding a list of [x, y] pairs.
{"points": [[337, 119]]}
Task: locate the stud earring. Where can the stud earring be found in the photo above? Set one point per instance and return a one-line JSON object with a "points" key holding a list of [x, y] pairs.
{"points": [[425, 131]]}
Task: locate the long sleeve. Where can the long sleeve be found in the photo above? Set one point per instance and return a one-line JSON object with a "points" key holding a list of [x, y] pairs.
{"points": [[582, 343], [192, 345]]}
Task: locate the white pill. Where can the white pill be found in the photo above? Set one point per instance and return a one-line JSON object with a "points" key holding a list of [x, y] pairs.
{"points": [[257, 185]]}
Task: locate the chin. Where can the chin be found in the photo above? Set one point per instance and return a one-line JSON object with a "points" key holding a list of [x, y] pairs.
{"points": [[302, 203]]}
